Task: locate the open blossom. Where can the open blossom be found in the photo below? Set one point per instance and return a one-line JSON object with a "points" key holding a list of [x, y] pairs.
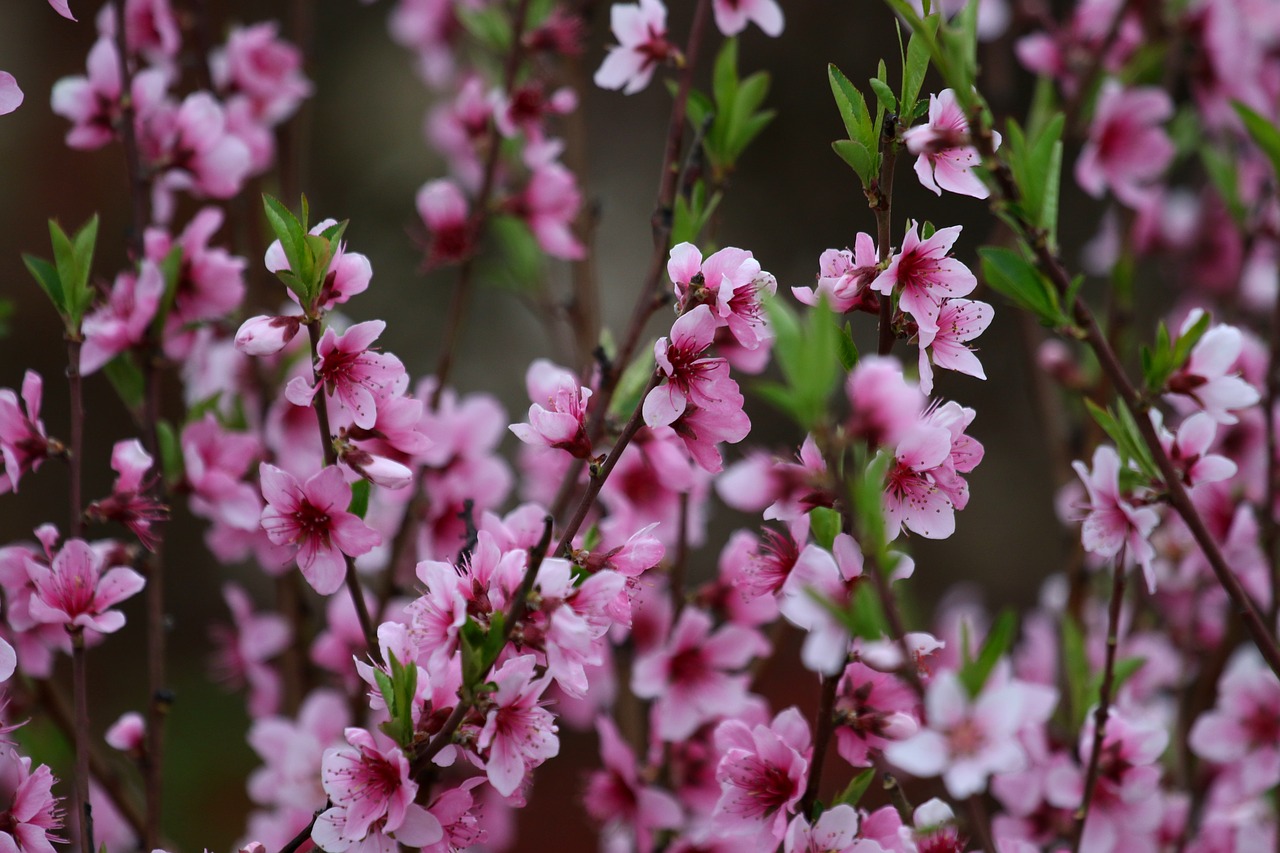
{"points": [[730, 282], [563, 425], [123, 322], [924, 275], [843, 277], [641, 31], [1188, 450], [548, 204], [349, 369], [518, 733], [835, 831], [819, 579], [762, 775], [75, 591], [617, 796], [313, 517], [257, 64], [946, 158], [29, 812], [23, 443], [959, 321], [129, 502], [692, 378], [1113, 522], [194, 150], [245, 647], [1242, 731], [1127, 149], [1208, 379], [732, 16]]}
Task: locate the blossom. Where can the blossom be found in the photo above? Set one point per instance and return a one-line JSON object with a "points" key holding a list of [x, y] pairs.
{"points": [[924, 276], [843, 277], [128, 733], [1113, 522], [732, 16], [348, 275], [266, 335], [548, 204], [691, 378], [29, 811], [75, 592], [129, 502], [245, 647], [260, 65], [443, 209], [1207, 380], [123, 322], [1242, 731], [959, 321], [1188, 450], [1127, 149], [641, 31], [92, 103], [762, 775], [835, 831], [946, 158], [822, 579], [312, 517], [348, 368], [518, 733], [23, 443], [10, 93], [884, 405], [366, 781], [730, 281], [563, 425], [193, 149], [618, 797]]}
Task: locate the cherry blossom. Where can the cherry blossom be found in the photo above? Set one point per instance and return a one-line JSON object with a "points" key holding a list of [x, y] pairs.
{"points": [[29, 813], [924, 275], [23, 443], [946, 158], [959, 321], [348, 368], [1113, 522], [443, 209], [74, 591], [617, 796], [1127, 149], [692, 378], [641, 31], [843, 277], [563, 425], [762, 776], [731, 282], [1208, 379], [518, 733]]}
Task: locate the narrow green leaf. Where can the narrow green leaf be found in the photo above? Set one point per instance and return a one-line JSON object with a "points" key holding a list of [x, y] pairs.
{"points": [[127, 380], [824, 524], [1017, 279], [857, 786], [858, 158], [359, 505], [47, 277], [171, 461], [1263, 132], [848, 349], [997, 644], [292, 236], [853, 108], [724, 77], [1076, 664], [885, 95], [916, 65]]}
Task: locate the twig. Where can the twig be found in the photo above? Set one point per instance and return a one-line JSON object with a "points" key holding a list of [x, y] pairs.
{"points": [[301, 838], [883, 206], [824, 726], [1104, 702], [76, 387], [980, 823], [81, 701], [139, 202]]}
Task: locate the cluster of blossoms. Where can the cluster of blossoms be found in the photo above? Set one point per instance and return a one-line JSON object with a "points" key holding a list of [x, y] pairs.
{"points": [[462, 631]]}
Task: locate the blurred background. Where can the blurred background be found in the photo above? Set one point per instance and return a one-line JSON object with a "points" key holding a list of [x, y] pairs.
{"points": [[363, 159]]}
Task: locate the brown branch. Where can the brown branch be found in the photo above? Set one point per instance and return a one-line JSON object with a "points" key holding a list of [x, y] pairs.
{"points": [[81, 700]]}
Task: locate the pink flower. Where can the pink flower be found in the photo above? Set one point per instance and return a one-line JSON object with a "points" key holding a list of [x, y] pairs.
{"points": [[641, 31], [702, 430], [259, 64], [924, 276], [946, 158], [128, 734], [732, 16], [912, 498], [312, 517], [1242, 731], [691, 378], [1127, 149], [959, 321], [349, 272], [150, 28], [443, 209], [29, 811], [1189, 449], [244, 648], [1209, 379], [129, 502], [563, 425], [75, 592], [819, 580], [92, 103], [784, 490], [216, 462], [843, 277], [730, 282], [617, 797], [872, 709], [689, 676], [549, 204], [1113, 523], [762, 775], [193, 149], [884, 405], [518, 734], [835, 831], [10, 93], [23, 443], [359, 377], [210, 281], [122, 323]]}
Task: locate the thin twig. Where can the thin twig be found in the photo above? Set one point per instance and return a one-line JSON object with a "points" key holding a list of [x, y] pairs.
{"points": [[883, 206], [824, 727], [81, 701], [302, 836], [76, 388]]}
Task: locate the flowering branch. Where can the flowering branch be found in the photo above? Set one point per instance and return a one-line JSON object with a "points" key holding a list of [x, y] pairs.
{"points": [[81, 701]]}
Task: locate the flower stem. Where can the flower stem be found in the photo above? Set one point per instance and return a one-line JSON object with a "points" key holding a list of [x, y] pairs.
{"points": [[80, 698], [883, 204], [76, 386], [139, 203], [1104, 701], [824, 727]]}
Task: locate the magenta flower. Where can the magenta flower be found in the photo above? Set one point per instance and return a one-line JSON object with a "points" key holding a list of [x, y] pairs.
{"points": [[689, 675], [959, 321], [216, 462], [260, 65], [873, 708], [1127, 149], [912, 497], [946, 158], [443, 209], [843, 277], [365, 782], [122, 323], [549, 204], [194, 150], [923, 275], [641, 31], [518, 734], [762, 775], [732, 16], [563, 425], [10, 94], [313, 518], [1113, 522], [691, 378], [730, 282], [23, 443], [29, 812], [618, 798], [75, 592], [358, 376]]}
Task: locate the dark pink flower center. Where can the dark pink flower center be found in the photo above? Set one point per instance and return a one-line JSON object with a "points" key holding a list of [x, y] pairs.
{"points": [[688, 666], [966, 739], [312, 522]]}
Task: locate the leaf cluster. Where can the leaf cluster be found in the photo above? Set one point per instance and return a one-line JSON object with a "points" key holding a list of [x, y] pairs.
{"points": [[66, 280], [309, 255]]}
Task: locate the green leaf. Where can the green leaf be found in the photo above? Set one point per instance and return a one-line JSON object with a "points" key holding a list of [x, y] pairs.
{"points": [[884, 95], [916, 66], [824, 524], [293, 240], [858, 157], [724, 76], [632, 383], [1076, 664], [171, 460], [1222, 173], [868, 508], [1018, 280], [857, 786], [1263, 132], [1123, 431], [359, 505], [853, 109], [692, 213], [127, 379], [699, 108], [522, 258], [808, 356], [46, 275], [170, 270], [974, 674], [79, 292], [489, 26], [848, 350], [398, 691]]}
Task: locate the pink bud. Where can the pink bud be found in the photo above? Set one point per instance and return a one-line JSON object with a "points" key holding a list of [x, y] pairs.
{"points": [[263, 335], [128, 733], [898, 726]]}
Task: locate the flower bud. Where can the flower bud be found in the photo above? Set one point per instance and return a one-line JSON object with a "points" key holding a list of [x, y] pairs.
{"points": [[263, 335]]}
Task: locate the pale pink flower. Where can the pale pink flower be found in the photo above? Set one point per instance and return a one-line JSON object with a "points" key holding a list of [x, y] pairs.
{"points": [[821, 579], [843, 277], [641, 31], [692, 378], [1210, 378], [562, 425], [210, 281], [265, 335], [29, 812], [924, 275], [293, 751], [1189, 449], [123, 322], [1113, 522], [946, 158], [130, 502], [349, 272], [92, 103], [884, 405], [267, 69], [128, 734], [1127, 150], [312, 517], [730, 282], [762, 774], [23, 443], [518, 733], [548, 204], [732, 16], [1242, 731], [835, 831], [784, 490], [443, 209], [353, 372], [966, 739], [244, 647], [690, 677], [959, 321], [75, 591], [10, 93], [618, 798]]}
